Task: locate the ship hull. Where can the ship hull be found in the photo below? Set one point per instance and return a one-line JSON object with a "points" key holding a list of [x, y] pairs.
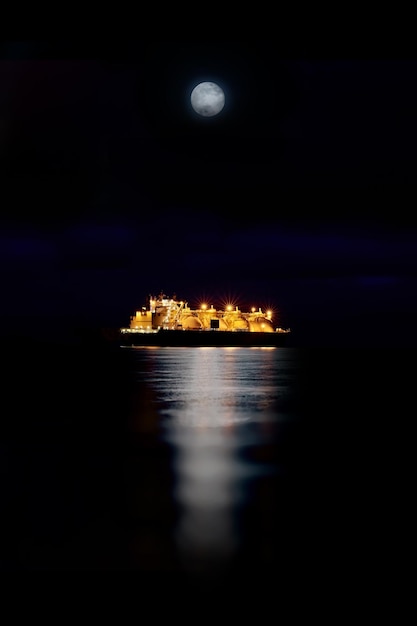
{"points": [[199, 338]]}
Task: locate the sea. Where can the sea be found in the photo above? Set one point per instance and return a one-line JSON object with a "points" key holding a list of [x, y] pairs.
{"points": [[206, 464]]}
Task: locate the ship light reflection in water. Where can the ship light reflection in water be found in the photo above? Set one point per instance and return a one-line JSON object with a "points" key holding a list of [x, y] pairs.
{"points": [[220, 406]]}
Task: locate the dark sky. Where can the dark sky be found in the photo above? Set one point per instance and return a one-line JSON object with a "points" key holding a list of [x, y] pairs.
{"points": [[299, 195]]}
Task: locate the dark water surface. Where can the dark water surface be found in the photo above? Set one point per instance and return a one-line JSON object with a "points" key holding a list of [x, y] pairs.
{"points": [[204, 461]]}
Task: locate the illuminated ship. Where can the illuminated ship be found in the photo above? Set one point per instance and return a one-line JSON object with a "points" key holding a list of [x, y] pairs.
{"points": [[167, 321]]}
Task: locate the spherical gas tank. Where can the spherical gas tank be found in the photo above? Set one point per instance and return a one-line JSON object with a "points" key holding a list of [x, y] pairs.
{"points": [[191, 323], [261, 325]]}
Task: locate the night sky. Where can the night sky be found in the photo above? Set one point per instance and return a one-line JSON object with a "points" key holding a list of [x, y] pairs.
{"points": [[299, 195]]}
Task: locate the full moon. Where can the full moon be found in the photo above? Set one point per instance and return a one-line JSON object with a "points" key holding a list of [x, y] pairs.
{"points": [[207, 99]]}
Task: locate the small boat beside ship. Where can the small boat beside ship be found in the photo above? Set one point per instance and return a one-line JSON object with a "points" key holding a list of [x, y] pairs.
{"points": [[166, 321]]}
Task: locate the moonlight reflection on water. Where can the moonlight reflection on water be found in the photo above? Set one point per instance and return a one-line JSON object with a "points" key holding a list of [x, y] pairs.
{"points": [[219, 406]]}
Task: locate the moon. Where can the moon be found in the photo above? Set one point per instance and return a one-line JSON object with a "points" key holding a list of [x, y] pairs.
{"points": [[207, 99]]}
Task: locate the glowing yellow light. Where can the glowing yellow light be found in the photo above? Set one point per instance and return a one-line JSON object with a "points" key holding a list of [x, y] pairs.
{"points": [[229, 307], [253, 309], [269, 313], [204, 307]]}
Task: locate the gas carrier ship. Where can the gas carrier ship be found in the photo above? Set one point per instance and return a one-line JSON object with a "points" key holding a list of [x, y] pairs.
{"points": [[166, 321]]}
